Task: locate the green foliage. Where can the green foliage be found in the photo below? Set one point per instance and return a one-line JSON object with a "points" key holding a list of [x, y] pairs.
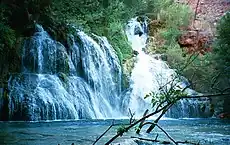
{"points": [[196, 68], [121, 130], [155, 6], [171, 35], [221, 55], [99, 17], [166, 94], [176, 15], [7, 36], [222, 46]]}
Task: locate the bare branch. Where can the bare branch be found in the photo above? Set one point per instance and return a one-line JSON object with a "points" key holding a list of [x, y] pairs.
{"points": [[164, 109], [146, 139], [158, 118], [156, 136], [155, 124], [135, 123], [187, 142], [104, 133], [197, 4], [131, 120], [140, 126]]}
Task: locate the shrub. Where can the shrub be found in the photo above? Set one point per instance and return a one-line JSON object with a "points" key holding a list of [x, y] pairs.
{"points": [[222, 44]]}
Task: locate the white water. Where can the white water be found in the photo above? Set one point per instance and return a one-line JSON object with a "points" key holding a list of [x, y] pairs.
{"points": [[80, 81], [83, 80], [149, 74]]}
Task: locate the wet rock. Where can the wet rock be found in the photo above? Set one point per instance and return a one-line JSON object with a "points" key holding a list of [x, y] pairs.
{"points": [[135, 52], [138, 31]]}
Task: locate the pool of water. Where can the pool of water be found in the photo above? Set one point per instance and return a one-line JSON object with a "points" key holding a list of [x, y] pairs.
{"points": [[84, 132]]}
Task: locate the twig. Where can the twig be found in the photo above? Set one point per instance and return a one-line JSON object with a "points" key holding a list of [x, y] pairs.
{"points": [[166, 134], [155, 124], [156, 136], [166, 107], [140, 126], [146, 139], [104, 133], [187, 142], [161, 104], [197, 4], [159, 117], [131, 120]]}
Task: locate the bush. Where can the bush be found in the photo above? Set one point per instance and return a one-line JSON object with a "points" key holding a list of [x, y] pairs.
{"points": [[7, 36], [176, 15], [222, 44]]}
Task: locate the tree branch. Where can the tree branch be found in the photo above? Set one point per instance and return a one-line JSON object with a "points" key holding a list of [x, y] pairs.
{"points": [[197, 4], [131, 120], [104, 133], [146, 139], [155, 124], [135, 123], [159, 117], [140, 125]]}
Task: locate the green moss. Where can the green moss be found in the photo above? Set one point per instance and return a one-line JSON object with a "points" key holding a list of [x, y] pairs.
{"points": [[64, 78]]}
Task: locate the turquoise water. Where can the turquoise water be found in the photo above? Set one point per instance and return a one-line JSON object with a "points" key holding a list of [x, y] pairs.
{"points": [[84, 132]]}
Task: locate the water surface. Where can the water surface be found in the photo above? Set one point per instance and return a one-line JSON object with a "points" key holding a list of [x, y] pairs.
{"points": [[84, 132]]}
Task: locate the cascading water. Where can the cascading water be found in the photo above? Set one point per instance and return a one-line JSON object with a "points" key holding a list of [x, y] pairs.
{"points": [[150, 74], [82, 80]]}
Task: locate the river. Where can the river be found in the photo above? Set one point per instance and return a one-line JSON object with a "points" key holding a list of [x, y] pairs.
{"points": [[84, 132]]}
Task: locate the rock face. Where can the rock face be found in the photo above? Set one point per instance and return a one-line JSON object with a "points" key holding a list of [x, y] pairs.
{"points": [[208, 12], [195, 41]]}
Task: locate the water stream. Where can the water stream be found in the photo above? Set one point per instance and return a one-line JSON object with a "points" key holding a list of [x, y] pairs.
{"points": [[85, 132], [151, 75]]}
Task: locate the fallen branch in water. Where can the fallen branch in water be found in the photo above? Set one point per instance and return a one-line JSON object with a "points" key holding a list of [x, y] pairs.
{"points": [[135, 123], [155, 124], [146, 139], [165, 142], [187, 142]]}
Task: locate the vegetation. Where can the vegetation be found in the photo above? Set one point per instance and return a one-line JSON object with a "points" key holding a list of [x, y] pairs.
{"points": [[203, 70], [108, 18], [222, 44], [104, 18]]}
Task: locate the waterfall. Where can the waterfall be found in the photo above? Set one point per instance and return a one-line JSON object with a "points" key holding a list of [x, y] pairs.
{"points": [[79, 81], [82, 80], [150, 74]]}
